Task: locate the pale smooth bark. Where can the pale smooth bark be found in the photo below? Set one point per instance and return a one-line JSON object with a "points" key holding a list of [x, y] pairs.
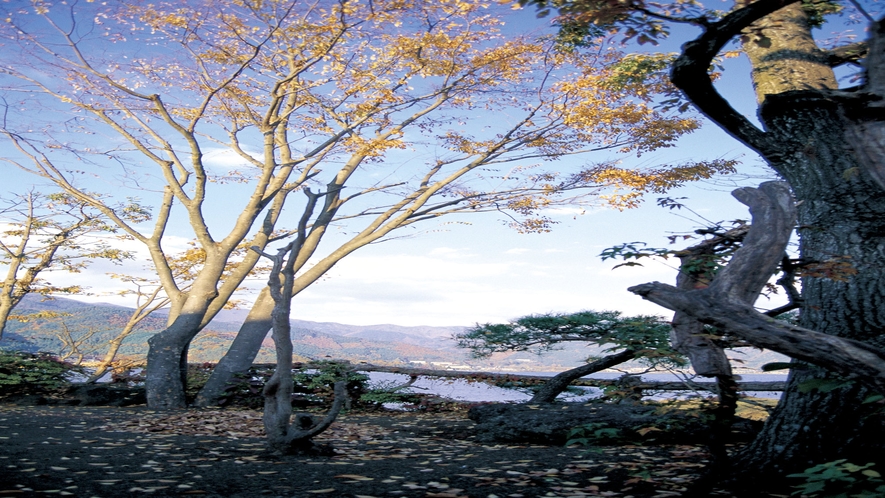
{"points": [[242, 351]]}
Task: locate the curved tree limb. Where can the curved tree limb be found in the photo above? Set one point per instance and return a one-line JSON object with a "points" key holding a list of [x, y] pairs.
{"points": [[774, 215], [853, 52], [724, 304], [847, 357], [690, 74], [553, 387], [296, 436]]}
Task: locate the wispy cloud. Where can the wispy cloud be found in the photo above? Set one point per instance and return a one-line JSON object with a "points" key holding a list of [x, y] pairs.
{"points": [[226, 159]]}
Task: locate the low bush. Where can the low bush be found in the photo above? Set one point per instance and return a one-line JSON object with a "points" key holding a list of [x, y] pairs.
{"points": [[33, 373], [313, 387], [840, 479]]}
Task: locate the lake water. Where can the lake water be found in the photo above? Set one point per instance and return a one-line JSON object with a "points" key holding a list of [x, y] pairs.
{"points": [[462, 390]]}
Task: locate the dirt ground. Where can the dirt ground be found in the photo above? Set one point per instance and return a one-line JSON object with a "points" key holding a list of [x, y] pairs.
{"points": [[113, 452]]}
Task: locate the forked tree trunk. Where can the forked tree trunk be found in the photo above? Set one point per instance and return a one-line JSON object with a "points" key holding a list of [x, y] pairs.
{"points": [[282, 435]]}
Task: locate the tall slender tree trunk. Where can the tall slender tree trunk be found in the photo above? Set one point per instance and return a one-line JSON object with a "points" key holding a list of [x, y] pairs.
{"points": [[6, 305], [242, 352]]}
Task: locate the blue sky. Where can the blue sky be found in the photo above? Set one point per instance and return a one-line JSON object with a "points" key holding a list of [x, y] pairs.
{"points": [[469, 269], [474, 268]]}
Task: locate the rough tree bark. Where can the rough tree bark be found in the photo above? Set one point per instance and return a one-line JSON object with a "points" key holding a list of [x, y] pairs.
{"points": [[827, 144], [723, 304]]}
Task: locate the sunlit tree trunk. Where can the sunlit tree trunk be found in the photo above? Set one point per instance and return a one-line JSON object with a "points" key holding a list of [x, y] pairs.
{"points": [[167, 356], [242, 351], [6, 306], [784, 55]]}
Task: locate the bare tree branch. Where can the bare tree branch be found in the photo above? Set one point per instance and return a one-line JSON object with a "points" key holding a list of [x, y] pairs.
{"points": [[724, 303]]}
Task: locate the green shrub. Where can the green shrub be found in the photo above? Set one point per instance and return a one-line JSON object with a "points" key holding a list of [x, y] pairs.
{"points": [[314, 386], [840, 479], [29, 373], [376, 394], [595, 434]]}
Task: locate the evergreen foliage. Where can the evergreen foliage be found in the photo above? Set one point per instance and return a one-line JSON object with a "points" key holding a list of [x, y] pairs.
{"points": [[647, 335]]}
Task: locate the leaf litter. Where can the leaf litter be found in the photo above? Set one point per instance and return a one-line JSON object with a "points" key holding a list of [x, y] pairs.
{"points": [[113, 451]]}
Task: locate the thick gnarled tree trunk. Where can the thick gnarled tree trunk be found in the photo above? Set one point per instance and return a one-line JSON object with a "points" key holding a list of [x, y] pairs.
{"points": [[841, 219], [827, 144]]}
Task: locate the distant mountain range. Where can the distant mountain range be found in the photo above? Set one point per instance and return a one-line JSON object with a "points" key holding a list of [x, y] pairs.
{"points": [[95, 324], [384, 344]]}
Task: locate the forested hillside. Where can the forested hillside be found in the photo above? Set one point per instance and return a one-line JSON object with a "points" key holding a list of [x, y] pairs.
{"points": [[95, 324]]}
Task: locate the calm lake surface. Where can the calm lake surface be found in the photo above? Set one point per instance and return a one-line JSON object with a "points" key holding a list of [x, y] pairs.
{"points": [[462, 390]]}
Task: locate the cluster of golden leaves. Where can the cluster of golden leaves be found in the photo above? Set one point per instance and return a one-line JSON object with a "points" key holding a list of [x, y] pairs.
{"points": [[367, 79], [628, 185], [364, 62]]}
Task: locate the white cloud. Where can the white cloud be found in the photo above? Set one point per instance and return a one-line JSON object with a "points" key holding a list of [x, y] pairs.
{"points": [[101, 287], [450, 253], [223, 158], [564, 211], [437, 290]]}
